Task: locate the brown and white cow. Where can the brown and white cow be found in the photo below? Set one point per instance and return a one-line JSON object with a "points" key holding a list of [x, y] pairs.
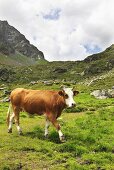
{"points": [[50, 103]]}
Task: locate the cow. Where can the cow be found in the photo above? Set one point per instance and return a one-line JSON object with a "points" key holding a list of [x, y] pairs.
{"points": [[48, 102]]}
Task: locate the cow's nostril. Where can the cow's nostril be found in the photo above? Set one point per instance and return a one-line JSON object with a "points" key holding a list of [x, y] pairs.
{"points": [[73, 104]]}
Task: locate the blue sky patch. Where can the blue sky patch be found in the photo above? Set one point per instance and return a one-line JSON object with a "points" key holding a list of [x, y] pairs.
{"points": [[54, 14], [34, 38], [92, 49]]}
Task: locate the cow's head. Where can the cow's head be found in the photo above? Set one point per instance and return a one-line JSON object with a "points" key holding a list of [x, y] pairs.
{"points": [[68, 94]]}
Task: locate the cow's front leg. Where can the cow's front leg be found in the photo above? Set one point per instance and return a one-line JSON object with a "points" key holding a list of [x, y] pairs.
{"points": [[58, 128], [46, 127], [61, 136]]}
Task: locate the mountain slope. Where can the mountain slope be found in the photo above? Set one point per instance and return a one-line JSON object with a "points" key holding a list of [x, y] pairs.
{"points": [[101, 62], [107, 54], [79, 70], [16, 59], [13, 43], [95, 65]]}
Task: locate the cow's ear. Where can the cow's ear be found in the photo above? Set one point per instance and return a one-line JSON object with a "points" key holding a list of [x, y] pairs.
{"points": [[61, 93], [75, 92]]}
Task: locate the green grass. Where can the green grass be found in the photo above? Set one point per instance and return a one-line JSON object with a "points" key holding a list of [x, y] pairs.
{"points": [[89, 133], [16, 60]]}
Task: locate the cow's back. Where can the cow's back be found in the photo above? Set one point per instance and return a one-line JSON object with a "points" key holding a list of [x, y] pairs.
{"points": [[41, 101], [37, 101]]}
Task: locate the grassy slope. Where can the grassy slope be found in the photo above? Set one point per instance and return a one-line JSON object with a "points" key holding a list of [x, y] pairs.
{"points": [[15, 60], [94, 65], [43, 70], [89, 133], [46, 71], [100, 64]]}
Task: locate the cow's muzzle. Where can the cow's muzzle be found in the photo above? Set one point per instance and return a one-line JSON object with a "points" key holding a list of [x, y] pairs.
{"points": [[73, 105]]}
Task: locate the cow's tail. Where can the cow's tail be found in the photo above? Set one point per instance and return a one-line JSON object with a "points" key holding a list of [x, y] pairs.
{"points": [[8, 114]]}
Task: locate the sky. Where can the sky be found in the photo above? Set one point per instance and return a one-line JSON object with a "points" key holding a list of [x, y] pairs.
{"points": [[64, 30]]}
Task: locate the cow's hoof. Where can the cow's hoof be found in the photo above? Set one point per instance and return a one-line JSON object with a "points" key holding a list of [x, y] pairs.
{"points": [[46, 136], [20, 133], [62, 139], [9, 130]]}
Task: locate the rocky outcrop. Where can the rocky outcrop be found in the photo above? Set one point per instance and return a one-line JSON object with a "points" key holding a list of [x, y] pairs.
{"points": [[102, 55], [99, 63], [103, 94], [11, 40], [60, 70]]}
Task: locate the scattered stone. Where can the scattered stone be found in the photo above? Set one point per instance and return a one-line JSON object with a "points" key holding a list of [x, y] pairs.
{"points": [[111, 93], [7, 92], [60, 70], [6, 99], [33, 82], [57, 82], [48, 83], [103, 94], [2, 88]]}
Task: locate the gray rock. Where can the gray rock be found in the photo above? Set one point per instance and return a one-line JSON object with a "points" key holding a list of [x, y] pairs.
{"points": [[103, 94], [6, 92], [6, 99], [99, 94], [96, 93], [2, 88], [33, 82], [60, 70], [111, 93], [48, 83]]}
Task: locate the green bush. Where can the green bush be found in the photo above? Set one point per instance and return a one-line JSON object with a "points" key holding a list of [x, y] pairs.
{"points": [[76, 109]]}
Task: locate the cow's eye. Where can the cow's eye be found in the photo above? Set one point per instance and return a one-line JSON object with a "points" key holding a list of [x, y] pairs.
{"points": [[66, 96]]}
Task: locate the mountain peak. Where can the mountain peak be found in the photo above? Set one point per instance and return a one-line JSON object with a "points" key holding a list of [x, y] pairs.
{"points": [[4, 22], [12, 41]]}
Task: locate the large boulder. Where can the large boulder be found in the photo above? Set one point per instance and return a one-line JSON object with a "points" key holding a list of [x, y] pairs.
{"points": [[103, 94], [99, 94], [111, 93]]}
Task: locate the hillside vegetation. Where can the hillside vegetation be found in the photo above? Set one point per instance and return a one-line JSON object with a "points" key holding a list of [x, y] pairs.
{"points": [[16, 60], [93, 66]]}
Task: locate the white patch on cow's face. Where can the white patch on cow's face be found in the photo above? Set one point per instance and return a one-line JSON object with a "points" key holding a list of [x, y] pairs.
{"points": [[69, 100]]}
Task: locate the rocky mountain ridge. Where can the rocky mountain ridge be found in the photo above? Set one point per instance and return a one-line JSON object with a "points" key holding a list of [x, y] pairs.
{"points": [[102, 55], [13, 42]]}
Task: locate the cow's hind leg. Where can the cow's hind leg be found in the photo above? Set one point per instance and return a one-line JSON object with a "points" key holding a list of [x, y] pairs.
{"points": [[46, 127], [10, 123], [16, 113]]}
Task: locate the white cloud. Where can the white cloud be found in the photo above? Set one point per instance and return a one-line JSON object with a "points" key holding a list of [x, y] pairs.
{"points": [[62, 29]]}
